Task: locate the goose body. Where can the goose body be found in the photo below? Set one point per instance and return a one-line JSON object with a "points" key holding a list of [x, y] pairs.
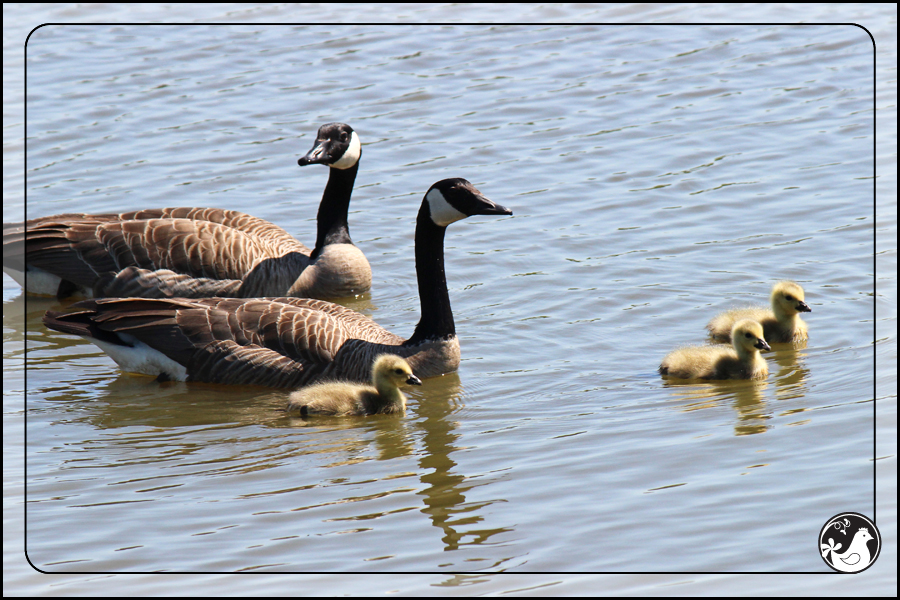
{"points": [[343, 398], [284, 342], [197, 252], [741, 361], [781, 323]]}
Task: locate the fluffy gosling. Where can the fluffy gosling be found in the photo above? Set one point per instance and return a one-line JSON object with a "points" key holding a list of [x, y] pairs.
{"points": [[781, 323], [342, 398], [742, 361]]}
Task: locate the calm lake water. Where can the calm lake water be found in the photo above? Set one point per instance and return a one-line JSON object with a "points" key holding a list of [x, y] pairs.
{"points": [[657, 175]]}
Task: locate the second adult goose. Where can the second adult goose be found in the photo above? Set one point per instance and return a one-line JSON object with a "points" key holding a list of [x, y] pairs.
{"points": [[284, 342], [198, 252]]}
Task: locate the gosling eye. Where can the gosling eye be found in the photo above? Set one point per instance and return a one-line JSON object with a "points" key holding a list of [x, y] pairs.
{"points": [[748, 335], [399, 372], [789, 297]]}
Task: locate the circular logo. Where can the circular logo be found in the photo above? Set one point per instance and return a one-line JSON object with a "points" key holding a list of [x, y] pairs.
{"points": [[849, 542]]}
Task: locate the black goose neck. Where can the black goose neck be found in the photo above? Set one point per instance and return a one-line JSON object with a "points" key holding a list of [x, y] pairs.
{"points": [[436, 321], [332, 216]]}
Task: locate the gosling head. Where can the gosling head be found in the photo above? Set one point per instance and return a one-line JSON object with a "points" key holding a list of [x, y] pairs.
{"points": [[337, 146], [450, 200], [747, 336], [395, 369], [788, 299]]}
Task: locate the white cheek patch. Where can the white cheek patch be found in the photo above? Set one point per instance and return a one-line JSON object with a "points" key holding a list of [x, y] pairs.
{"points": [[351, 156], [442, 213]]}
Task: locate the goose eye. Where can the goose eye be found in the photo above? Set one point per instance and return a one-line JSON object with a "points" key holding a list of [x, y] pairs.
{"points": [[789, 297], [748, 335], [344, 136], [399, 372]]}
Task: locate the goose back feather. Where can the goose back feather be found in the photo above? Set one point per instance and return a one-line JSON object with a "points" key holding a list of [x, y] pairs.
{"points": [[197, 252], [282, 342]]}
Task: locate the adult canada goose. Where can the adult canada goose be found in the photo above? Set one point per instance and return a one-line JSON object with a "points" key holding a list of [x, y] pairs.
{"points": [[781, 323], [741, 361], [284, 342], [197, 252], [342, 398]]}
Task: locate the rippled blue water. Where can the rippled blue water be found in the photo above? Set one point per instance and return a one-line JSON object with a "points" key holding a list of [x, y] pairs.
{"points": [[657, 174]]}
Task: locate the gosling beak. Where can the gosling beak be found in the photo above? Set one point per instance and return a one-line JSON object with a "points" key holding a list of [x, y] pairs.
{"points": [[803, 307], [761, 344], [413, 380]]}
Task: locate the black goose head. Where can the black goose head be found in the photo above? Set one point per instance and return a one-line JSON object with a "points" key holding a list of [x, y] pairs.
{"points": [[337, 146], [453, 199]]}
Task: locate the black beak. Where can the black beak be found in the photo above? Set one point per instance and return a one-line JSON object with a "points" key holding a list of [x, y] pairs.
{"points": [[413, 380], [488, 207], [319, 155], [476, 203], [762, 345], [803, 307]]}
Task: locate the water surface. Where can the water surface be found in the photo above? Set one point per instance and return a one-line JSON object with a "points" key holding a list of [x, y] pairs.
{"points": [[657, 175]]}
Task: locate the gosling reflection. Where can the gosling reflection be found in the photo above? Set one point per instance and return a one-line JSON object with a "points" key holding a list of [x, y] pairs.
{"points": [[243, 429], [429, 431], [444, 492], [792, 374], [746, 397]]}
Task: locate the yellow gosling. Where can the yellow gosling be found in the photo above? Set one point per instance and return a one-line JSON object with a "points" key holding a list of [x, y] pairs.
{"points": [[781, 323], [342, 398], [741, 361]]}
